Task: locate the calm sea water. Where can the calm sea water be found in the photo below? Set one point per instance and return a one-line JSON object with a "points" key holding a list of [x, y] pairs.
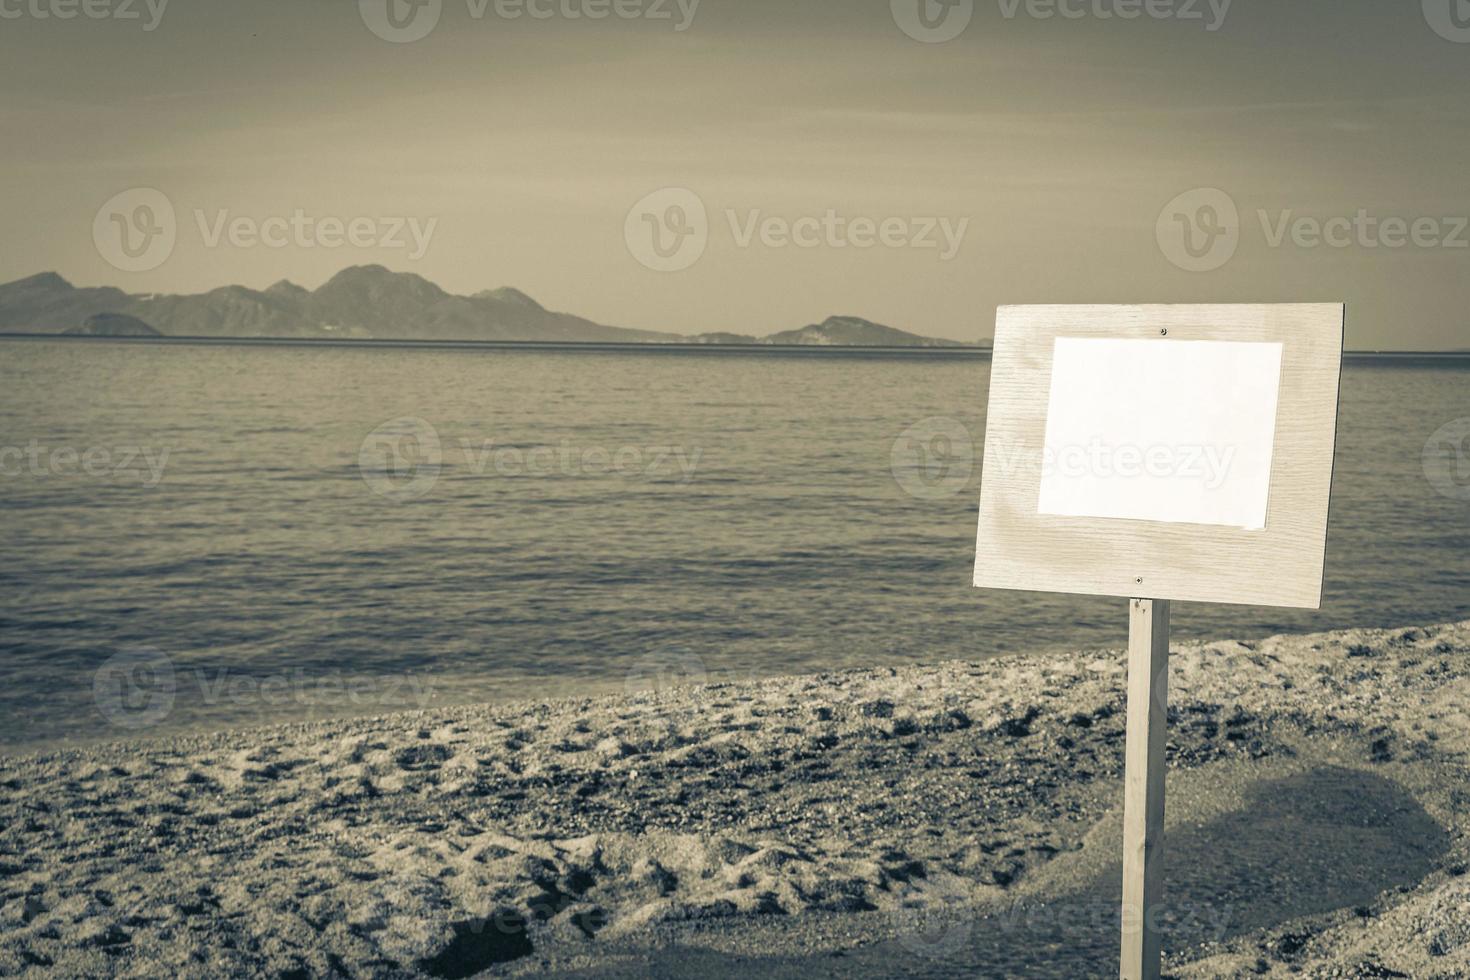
{"points": [[336, 531]]}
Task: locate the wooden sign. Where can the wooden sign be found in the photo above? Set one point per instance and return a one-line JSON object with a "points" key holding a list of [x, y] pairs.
{"points": [[1158, 453], [1178, 425]]}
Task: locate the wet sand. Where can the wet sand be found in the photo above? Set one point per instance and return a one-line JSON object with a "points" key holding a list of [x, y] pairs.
{"points": [[958, 819]]}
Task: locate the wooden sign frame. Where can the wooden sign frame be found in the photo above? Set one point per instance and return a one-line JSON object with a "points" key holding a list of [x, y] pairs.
{"points": [[1148, 561], [1280, 565]]}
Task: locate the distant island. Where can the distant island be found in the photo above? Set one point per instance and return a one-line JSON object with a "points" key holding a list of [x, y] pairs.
{"points": [[370, 302], [112, 325]]}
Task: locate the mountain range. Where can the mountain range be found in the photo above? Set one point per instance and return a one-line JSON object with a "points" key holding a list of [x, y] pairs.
{"points": [[366, 302]]}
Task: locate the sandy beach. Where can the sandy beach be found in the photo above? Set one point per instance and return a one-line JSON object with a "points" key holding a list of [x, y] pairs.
{"points": [[957, 819]]}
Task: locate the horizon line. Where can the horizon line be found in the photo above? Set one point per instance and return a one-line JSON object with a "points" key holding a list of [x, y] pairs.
{"points": [[635, 346]]}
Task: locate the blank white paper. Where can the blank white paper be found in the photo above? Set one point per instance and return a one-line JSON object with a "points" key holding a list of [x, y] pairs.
{"points": [[1180, 431]]}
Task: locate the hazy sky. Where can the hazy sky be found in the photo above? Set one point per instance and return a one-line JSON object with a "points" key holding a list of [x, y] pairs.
{"points": [[1047, 147]]}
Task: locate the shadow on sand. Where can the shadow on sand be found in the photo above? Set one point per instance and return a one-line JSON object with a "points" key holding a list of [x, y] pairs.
{"points": [[1325, 839]]}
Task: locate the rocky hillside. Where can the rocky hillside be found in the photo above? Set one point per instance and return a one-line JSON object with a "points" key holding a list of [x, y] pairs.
{"points": [[370, 302], [852, 330]]}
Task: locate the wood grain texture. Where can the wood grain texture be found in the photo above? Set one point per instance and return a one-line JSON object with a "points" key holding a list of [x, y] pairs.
{"points": [[1018, 548], [1143, 788]]}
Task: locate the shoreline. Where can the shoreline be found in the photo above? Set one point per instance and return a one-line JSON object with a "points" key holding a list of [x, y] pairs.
{"points": [[873, 822]]}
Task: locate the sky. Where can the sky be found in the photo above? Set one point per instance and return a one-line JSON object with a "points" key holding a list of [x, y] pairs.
{"points": [[909, 162]]}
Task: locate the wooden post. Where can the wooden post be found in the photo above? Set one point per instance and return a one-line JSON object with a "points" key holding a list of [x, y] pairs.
{"points": [[1143, 787]]}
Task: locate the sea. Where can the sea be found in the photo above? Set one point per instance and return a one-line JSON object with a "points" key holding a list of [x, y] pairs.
{"points": [[206, 537]]}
